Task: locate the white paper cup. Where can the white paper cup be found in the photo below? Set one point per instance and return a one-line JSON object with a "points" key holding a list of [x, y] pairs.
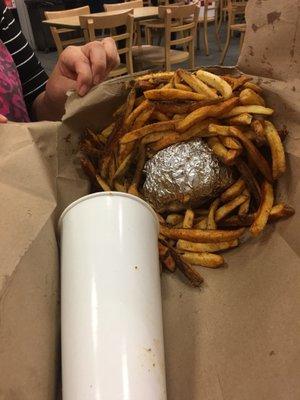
{"points": [[112, 332]]}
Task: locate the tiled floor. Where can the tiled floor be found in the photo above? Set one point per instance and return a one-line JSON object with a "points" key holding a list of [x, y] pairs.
{"points": [[49, 59]]}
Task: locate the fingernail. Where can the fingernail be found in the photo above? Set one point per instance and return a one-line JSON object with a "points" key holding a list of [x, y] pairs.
{"points": [[82, 90], [3, 119]]}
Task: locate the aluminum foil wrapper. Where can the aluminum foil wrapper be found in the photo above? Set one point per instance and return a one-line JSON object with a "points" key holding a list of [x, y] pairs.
{"points": [[184, 175]]}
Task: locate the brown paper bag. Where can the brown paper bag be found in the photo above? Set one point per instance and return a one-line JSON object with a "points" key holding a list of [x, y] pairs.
{"points": [[237, 337]]}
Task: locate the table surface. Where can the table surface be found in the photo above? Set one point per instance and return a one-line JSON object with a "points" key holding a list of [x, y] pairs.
{"points": [[73, 22]]}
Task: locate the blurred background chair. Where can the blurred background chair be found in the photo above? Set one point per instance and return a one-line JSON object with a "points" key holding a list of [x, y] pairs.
{"points": [[209, 14], [179, 25], [124, 40], [128, 5], [236, 14], [59, 33]]}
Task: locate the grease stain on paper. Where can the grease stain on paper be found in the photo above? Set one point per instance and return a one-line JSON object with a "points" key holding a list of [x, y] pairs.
{"points": [[273, 16]]}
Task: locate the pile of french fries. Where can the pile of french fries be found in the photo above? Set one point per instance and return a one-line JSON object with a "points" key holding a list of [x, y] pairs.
{"points": [[230, 114]]}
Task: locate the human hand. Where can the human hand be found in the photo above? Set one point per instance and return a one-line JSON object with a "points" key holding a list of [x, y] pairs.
{"points": [[79, 68], [3, 119]]}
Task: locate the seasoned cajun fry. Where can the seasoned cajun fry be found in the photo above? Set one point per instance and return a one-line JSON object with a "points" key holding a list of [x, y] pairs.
{"points": [[119, 187], [178, 116], [102, 183], [249, 179], [130, 103], [281, 210], [250, 97], [154, 137], [107, 131], [188, 219], [182, 86], [189, 272], [146, 130], [183, 107], [227, 208], [196, 84], [233, 191], [215, 110], [205, 247], [228, 157], [174, 219], [134, 187], [207, 260], [230, 142], [156, 75], [139, 100], [123, 167], [248, 109], [253, 86], [241, 119], [202, 224], [172, 94], [145, 105], [261, 218], [277, 150], [143, 117], [166, 86], [216, 82], [259, 130], [244, 207], [211, 223], [162, 250], [236, 82], [159, 116], [199, 235]]}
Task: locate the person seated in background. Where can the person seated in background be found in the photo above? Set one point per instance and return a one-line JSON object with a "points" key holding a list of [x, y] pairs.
{"points": [[27, 93]]}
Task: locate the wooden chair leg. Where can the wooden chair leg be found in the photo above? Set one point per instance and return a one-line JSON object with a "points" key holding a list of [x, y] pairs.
{"points": [[198, 35], [205, 34], [224, 52], [148, 35], [217, 33], [242, 40], [192, 55]]}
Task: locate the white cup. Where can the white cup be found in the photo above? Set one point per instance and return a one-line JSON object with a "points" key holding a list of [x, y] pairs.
{"points": [[112, 331]]}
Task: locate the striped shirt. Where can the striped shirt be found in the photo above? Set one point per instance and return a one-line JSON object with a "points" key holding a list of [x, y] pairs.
{"points": [[32, 75]]}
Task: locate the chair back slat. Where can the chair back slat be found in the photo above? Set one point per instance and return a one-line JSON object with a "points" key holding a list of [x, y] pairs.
{"points": [[123, 6], [91, 23]]}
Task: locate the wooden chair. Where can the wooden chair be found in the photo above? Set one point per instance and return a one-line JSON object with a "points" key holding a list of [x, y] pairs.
{"points": [[128, 5], [57, 32], [209, 13], [234, 9], [90, 23], [177, 21]]}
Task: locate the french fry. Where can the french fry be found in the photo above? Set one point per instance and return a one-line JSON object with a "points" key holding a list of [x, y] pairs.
{"points": [[169, 263], [156, 75], [119, 187], [227, 208], [252, 151], [216, 82], [154, 137], [248, 109], [139, 100], [145, 105], [102, 183], [207, 260], [265, 208], [277, 150], [279, 211], [159, 116], [146, 130], [189, 272], [215, 110], [172, 94], [196, 84], [162, 250], [202, 224], [228, 157], [134, 187], [123, 167], [202, 236], [230, 142], [236, 82], [130, 103], [241, 119], [107, 131], [244, 207], [249, 179], [182, 86], [143, 117], [174, 219], [168, 85], [188, 219], [233, 191], [205, 247], [178, 116], [211, 223], [183, 107], [253, 86], [250, 97]]}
